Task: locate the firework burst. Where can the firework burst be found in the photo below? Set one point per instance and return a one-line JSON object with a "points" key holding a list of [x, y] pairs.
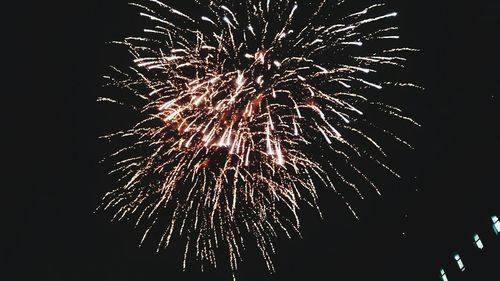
{"points": [[246, 111]]}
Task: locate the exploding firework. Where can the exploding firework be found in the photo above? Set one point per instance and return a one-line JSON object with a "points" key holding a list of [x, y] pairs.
{"points": [[246, 111]]}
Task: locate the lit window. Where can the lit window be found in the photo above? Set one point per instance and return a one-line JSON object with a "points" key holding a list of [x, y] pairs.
{"points": [[460, 264], [496, 224], [478, 242], [443, 275]]}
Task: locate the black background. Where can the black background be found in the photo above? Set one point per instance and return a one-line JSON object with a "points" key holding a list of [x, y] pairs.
{"points": [[52, 66]]}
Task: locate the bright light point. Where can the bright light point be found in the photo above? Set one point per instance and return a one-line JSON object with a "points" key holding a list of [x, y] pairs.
{"points": [[325, 136], [293, 10], [496, 224], [478, 242], [198, 101], [260, 56], [443, 275], [344, 84], [226, 19], [359, 44], [280, 159], [240, 79], [208, 19], [460, 264], [259, 80]]}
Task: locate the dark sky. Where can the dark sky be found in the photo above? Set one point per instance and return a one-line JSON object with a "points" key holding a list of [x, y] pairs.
{"points": [[54, 59]]}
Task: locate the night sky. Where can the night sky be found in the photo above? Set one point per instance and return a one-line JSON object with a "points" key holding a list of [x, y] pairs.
{"points": [[53, 66]]}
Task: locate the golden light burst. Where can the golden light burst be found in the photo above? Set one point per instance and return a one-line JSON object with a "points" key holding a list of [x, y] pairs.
{"points": [[246, 112]]}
